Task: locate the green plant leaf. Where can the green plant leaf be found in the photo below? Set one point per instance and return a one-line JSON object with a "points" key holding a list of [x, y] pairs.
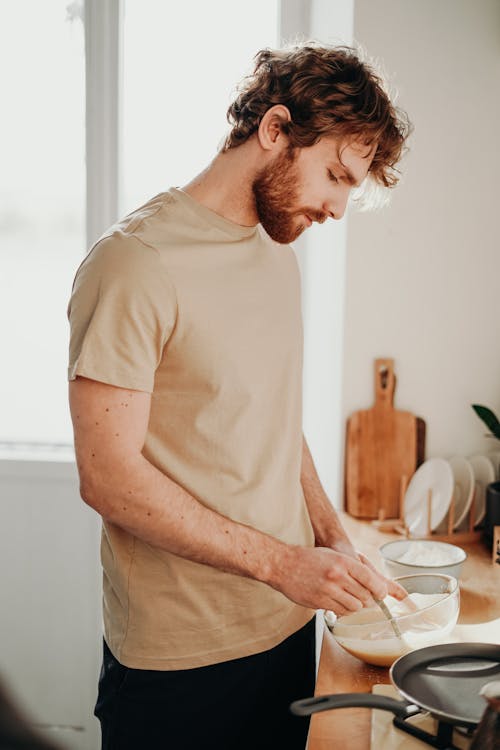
{"points": [[489, 419]]}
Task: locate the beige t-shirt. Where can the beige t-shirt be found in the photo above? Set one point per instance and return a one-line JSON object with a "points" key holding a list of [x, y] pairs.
{"points": [[204, 314]]}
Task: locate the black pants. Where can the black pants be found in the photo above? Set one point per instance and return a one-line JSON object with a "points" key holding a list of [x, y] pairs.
{"points": [[242, 704]]}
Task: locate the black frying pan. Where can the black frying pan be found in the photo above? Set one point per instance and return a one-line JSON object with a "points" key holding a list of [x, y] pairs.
{"points": [[444, 680]]}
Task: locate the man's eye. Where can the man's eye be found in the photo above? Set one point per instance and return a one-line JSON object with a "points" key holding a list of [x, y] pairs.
{"points": [[332, 176]]}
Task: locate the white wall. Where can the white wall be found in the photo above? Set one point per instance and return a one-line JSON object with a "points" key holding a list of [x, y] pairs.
{"points": [[50, 611], [422, 276], [321, 254]]}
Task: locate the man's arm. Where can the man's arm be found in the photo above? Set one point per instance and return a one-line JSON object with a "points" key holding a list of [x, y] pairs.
{"points": [[328, 530], [116, 480]]}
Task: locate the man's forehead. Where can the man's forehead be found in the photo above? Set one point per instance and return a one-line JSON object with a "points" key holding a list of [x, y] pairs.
{"points": [[355, 146]]}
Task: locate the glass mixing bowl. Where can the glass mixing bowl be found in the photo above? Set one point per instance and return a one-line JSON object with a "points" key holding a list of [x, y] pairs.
{"points": [[427, 617]]}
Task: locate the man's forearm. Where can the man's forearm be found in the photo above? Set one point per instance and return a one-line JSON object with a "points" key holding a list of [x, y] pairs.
{"points": [[328, 529], [142, 500], [119, 482], [145, 502]]}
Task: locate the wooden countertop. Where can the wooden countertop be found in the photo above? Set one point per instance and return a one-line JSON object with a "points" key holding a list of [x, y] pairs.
{"points": [[339, 672]]}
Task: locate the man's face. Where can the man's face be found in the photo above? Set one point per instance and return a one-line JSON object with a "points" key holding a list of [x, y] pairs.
{"points": [[309, 184]]}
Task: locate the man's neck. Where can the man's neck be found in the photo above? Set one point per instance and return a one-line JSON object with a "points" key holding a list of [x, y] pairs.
{"points": [[225, 186]]}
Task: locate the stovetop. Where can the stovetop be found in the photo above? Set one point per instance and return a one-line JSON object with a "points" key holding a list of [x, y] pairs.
{"points": [[389, 737]]}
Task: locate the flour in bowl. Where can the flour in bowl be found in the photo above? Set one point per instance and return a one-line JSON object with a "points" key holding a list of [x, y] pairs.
{"points": [[419, 553]]}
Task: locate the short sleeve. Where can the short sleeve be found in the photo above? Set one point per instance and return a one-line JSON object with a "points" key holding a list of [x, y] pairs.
{"points": [[122, 312]]}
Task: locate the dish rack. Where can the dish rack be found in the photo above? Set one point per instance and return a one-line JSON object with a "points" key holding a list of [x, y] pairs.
{"points": [[469, 534]]}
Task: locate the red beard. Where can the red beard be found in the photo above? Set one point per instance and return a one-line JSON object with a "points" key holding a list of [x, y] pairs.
{"points": [[275, 187]]}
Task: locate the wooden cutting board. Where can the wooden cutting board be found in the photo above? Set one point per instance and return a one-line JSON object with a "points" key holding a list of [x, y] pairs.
{"points": [[383, 446]]}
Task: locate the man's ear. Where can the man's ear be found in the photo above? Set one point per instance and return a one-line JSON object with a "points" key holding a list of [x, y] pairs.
{"points": [[271, 134]]}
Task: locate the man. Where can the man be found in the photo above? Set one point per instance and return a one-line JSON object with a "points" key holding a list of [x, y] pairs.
{"points": [[219, 542]]}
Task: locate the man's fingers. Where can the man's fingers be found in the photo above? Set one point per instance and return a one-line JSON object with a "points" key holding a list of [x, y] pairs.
{"points": [[359, 592], [339, 610], [355, 579], [368, 562], [375, 583], [396, 590], [359, 584], [345, 602]]}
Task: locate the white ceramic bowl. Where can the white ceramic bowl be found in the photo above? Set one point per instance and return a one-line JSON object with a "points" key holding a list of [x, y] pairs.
{"points": [[412, 556]]}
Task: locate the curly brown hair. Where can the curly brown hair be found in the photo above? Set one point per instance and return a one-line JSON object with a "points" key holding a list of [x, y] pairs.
{"points": [[328, 91]]}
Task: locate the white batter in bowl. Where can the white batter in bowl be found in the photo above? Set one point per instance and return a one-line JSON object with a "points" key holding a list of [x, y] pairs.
{"points": [[369, 636]]}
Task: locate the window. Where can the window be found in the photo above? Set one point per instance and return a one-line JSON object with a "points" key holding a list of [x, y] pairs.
{"points": [[42, 212], [182, 61]]}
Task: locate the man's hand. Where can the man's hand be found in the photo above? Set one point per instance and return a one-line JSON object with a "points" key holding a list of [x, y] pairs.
{"points": [[321, 578], [329, 532], [345, 546], [394, 589]]}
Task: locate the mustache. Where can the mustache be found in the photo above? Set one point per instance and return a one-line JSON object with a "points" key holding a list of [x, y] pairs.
{"points": [[318, 216]]}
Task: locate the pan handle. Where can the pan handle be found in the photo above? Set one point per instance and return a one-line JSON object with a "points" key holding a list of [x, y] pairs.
{"points": [[308, 706]]}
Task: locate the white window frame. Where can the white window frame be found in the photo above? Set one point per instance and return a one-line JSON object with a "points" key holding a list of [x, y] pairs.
{"points": [[103, 24]]}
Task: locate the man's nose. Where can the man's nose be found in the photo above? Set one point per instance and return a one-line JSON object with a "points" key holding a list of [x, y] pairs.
{"points": [[336, 206]]}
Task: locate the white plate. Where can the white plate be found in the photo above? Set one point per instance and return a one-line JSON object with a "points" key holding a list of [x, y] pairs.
{"points": [[484, 473], [463, 475], [434, 474]]}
